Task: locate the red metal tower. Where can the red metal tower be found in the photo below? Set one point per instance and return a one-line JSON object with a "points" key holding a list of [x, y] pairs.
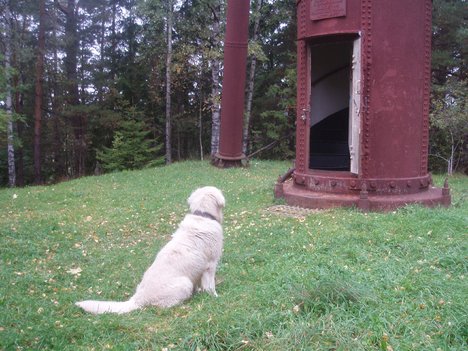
{"points": [[363, 89]]}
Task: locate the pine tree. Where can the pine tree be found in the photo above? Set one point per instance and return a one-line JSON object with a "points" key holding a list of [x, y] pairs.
{"points": [[9, 106], [131, 149]]}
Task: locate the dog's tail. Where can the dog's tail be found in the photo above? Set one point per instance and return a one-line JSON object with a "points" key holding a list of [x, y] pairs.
{"points": [[99, 307]]}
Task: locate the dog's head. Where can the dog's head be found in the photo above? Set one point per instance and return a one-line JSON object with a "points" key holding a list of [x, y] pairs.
{"points": [[208, 199]]}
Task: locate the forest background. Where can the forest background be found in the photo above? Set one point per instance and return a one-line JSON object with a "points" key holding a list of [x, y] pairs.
{"points": [[89, 86]]}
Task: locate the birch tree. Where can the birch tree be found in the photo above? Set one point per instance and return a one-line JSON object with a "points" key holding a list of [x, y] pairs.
{"points": [[8, 102], [251, 79], [215, 63], [450, 117]]}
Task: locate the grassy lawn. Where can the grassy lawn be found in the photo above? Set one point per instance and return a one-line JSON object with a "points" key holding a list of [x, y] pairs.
{"points": [[333, 280]]}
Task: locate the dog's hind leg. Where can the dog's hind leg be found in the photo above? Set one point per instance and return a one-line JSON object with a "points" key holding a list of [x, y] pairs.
{"points": [[175, 292]]}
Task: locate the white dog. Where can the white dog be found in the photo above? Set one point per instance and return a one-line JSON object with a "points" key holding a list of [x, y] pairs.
{"points": [[185, 264]]}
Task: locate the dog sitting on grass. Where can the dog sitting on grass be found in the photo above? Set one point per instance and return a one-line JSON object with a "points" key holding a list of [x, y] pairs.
{"points": [[186, 264]]}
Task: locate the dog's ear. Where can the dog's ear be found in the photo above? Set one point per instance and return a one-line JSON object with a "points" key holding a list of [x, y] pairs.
{"points": [[220, 200], [193, 197], [218, 197], [189, 200]]}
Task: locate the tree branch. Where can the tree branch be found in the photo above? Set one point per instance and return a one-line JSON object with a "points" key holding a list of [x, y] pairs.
{"points": [[213, 11], [270, 145], [65, 10], [441, 157]]}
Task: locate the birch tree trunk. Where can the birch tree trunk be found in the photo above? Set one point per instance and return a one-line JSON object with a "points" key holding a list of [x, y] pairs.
{"points": [[9, 109], [215, 84], [452, 155], [38, 94], [250, 84], [168, 81], [216, 107], [200, 125]]}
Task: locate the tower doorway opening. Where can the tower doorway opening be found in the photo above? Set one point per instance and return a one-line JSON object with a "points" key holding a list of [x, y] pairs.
{"points": [[334, 106]]}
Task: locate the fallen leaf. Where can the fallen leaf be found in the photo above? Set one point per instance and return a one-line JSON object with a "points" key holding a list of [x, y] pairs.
{"points": [[75, 271]]}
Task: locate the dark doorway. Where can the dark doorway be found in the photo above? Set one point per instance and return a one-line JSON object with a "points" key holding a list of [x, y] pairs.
{"points": [[329, 149], [331, 79]]}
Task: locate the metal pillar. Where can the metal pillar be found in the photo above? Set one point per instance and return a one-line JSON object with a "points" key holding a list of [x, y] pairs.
{"points": [[233, 93]]}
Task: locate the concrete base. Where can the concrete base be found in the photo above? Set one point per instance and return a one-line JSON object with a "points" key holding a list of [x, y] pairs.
{"points": [[296, 195]]}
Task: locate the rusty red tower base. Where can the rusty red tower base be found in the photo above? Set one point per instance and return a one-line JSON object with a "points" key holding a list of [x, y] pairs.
{"points": [[363, 89], [232, 101]]}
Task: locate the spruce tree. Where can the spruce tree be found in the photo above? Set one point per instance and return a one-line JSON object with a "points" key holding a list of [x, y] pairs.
{"points": [[131, 149]]}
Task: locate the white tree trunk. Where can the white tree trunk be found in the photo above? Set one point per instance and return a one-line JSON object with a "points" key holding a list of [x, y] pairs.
{"points": [[215, 90], [250, 85], [200, 126], [451, 157], [216, 107], [9, 108]]}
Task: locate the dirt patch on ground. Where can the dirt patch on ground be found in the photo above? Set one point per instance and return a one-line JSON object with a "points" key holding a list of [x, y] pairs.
{"points": [[292, 211]]}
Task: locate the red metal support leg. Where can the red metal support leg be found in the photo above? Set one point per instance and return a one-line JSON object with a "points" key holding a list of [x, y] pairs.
{"points": [[233, 93]]}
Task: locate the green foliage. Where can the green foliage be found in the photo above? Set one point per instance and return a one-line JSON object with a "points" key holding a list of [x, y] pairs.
{"points": [[449, 117], [449, 121], [329, 280], [3, 78], [122, 46], [3, 122], [131, 149], [276, 123], [450, 40], [273, 113]]}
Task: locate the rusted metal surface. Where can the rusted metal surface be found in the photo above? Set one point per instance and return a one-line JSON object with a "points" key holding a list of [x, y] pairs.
{"points": [[232, 101], [394, 90], [297, 196]]}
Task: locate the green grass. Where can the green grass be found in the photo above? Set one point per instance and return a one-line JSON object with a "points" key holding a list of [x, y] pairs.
{"points": [[335, 280]]}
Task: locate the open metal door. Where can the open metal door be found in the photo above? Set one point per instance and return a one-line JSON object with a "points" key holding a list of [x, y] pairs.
{"points": [[355, 108]]}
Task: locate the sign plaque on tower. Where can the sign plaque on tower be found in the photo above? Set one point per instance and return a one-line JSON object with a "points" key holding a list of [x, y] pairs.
{"points": [[323, 9]]}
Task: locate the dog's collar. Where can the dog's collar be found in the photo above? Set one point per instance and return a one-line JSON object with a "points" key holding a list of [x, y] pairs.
{"points": [[204, 214]]}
